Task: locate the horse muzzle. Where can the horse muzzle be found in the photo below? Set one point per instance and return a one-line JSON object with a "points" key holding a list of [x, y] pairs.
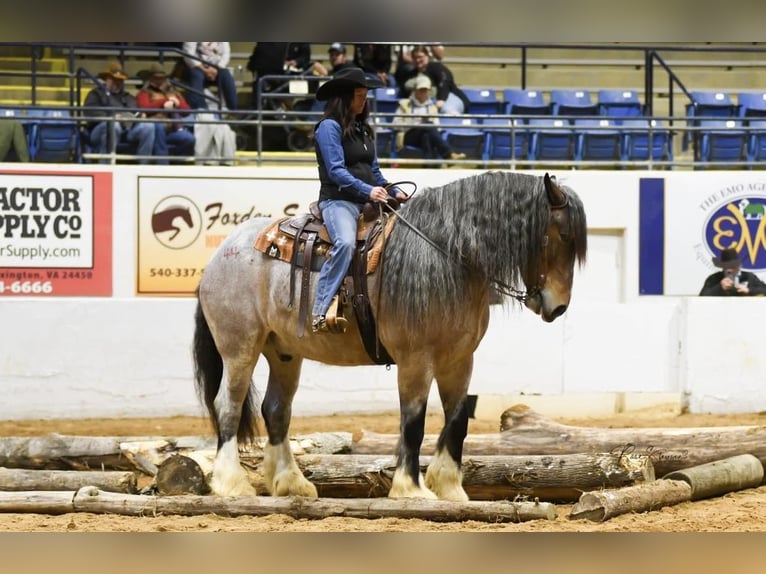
{"points": [[549, 308]]}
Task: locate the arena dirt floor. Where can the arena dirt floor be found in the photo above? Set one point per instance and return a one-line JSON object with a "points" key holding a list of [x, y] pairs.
{"points": [[739, 511]]}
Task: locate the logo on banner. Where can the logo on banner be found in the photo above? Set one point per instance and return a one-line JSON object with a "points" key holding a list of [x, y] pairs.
{"points": [[740, 223], [176, 222]]}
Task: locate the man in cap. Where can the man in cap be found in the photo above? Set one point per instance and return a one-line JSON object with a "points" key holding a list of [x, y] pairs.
{"points": [[731, 280], [110, 101]]}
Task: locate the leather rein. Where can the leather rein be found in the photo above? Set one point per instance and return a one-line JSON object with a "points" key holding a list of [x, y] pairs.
{"points": [[500, 286]]}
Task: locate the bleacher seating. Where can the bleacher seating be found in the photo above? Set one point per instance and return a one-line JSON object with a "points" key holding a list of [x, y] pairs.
{"points": [[385, 142], [551, 139], [707, 104], [385, 100], [463, 135], [53, 135], [525, 102], [482, 101], [505, 139], [752, 104], [619, 103], [721, 141], [573, 103], [596, 140], [756, 140], [644, 139]]}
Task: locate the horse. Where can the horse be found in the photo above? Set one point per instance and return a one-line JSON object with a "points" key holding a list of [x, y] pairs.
{"points": [[449, 248]]}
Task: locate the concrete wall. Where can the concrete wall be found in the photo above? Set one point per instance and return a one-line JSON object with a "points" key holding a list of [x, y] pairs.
{"points": [[127, 355]]}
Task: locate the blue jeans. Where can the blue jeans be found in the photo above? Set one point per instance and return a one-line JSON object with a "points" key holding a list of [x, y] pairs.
{"points": [[142, 133], [182, 140], [227, 88], [340, 218]]}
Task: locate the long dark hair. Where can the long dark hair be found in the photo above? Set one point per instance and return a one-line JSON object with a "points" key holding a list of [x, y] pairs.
{"points": [[339, 108]]}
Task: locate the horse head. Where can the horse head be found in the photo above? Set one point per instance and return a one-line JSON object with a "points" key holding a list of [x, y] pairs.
{"points": [[564, 242]]}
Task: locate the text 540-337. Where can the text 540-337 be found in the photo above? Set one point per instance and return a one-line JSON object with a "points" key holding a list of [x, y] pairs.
{"points": [[25, 287], [175, 272]]}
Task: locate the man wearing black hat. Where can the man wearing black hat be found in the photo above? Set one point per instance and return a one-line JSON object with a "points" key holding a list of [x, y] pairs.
{"points": [[349, 176], [731, 280]]}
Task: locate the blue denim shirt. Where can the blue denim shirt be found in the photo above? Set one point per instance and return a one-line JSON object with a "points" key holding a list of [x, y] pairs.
{"points": [[328, 138]]}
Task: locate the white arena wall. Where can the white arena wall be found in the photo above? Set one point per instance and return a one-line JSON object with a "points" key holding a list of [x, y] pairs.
{"points": [[121, 347]]}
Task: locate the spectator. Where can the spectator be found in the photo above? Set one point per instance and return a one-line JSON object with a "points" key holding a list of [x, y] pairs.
{"points": [[419, 111], [731, 281], [215, 141], [161, 100], [277, 59], [209, 67], [111, 94], [405, 65], [338, 61], [449, 98], [375, 60], [13, 141]]}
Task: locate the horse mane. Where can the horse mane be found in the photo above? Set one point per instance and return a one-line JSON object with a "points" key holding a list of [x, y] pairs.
{"points": [[488, 226]]}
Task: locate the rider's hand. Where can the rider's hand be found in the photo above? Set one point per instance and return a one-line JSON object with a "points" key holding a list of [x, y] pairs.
{"points": [[379, 194]]}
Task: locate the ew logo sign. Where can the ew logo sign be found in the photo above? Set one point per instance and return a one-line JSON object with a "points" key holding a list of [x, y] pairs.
{"points": [[739, 223]]}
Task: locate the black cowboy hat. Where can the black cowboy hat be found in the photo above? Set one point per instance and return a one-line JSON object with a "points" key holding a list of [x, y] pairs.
{"points": [[346, 80], [728, 259]]}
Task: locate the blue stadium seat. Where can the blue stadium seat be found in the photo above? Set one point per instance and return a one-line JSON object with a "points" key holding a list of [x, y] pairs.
{"points": [[721, 141], [525, 103], [619, 103], [596, 140], [482, 101], [752, 104], [385, 142], [54, 135], [505, 139], [551, 139], [573, 103], [707, 105], [756, 140], [463, 135], [644, 139], [385, 100]]}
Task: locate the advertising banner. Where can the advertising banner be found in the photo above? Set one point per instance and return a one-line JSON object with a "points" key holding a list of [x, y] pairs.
{"points": [[183, 220], [55, 234], [706, 213]]}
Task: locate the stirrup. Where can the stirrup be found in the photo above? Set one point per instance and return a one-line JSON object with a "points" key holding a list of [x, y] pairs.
{"points": [[335, 321], [319, 324]]}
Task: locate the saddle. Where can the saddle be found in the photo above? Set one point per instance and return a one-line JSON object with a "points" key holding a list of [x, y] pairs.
{"points": [[303, 241]]}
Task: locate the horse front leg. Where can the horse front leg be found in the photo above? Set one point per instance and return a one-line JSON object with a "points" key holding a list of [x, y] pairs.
{"points": [[444, 475], [282, 475], [414, 384]]}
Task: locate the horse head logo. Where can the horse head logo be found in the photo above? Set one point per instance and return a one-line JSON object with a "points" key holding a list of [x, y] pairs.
{"points": [[176, 222]]}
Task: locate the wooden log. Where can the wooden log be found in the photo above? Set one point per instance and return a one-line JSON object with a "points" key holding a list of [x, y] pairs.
{"points": [[721, 476], [598, 506], [144, 454], [90, 499], [549, 478], [36, 502], [524, 431], [180, 474], [16, 479]]}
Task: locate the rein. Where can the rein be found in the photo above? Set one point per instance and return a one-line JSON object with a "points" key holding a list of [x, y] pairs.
{"points": [[500, 286]]}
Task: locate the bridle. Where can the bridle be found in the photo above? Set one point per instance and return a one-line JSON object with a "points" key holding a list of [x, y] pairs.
{"points": [[522, 296]]}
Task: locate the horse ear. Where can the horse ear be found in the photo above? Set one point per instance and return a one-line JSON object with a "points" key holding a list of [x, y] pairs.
{"points": [[555, 195]]}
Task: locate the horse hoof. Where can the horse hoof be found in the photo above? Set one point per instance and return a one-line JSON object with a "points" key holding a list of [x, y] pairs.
{"points": [[290, 486], [240, 488]]}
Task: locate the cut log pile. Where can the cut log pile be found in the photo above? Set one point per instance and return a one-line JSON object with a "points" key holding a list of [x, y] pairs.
{"points": [[606, 471]]}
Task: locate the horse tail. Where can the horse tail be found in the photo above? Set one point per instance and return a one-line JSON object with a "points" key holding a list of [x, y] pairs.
{"points": [[208, 372]]}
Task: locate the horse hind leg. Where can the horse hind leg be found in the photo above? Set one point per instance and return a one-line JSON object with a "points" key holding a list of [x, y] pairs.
{"points": [[282, 475], [413, 397], [231, 404], [444, 475]]}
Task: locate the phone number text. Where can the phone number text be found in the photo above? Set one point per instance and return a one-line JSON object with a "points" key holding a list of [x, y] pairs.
{"points": [[175, 272]]}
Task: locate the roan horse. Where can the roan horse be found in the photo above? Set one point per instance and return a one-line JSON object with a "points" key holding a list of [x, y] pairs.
{"points": [[430, 295]]}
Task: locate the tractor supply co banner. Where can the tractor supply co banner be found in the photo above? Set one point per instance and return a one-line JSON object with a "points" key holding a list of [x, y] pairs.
{"points": [[55, 234], [183, 220], [686, 219]]}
